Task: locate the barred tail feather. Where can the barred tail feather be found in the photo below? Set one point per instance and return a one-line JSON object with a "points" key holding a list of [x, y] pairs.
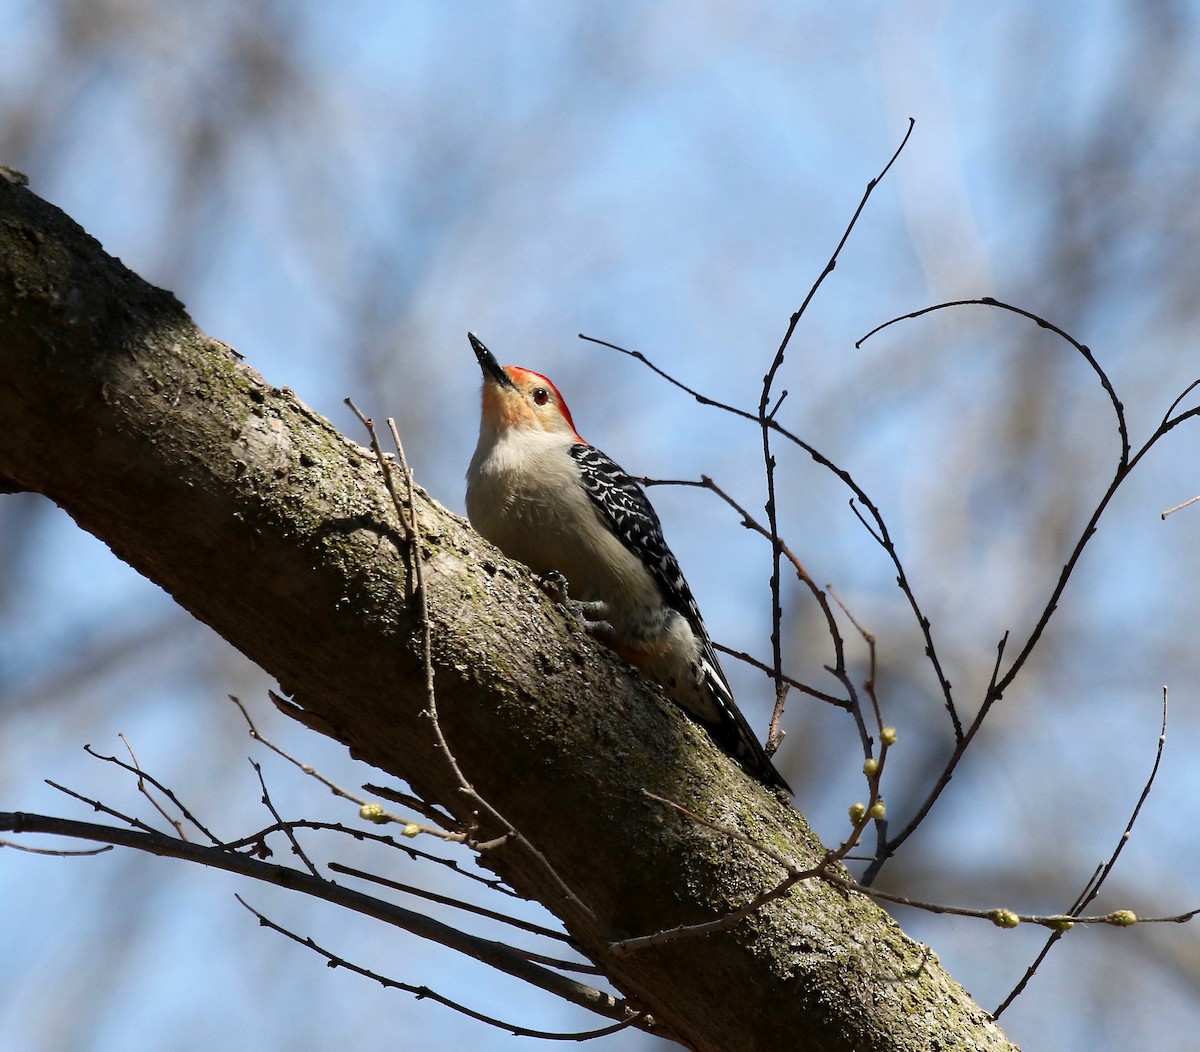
{"points": [[733, 734]]}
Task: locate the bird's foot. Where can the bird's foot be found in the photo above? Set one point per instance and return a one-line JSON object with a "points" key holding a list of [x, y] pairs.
{"points": [[591, 615]]}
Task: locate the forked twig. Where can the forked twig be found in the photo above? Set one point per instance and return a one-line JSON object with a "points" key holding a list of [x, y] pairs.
{"points": [[367, 808], [767, 418], [143, 778], [1096, 881], [288, 830]]}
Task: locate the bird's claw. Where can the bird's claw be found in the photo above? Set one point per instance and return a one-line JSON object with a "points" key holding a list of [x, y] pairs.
{"points": [[591, 615], [554, 584]]}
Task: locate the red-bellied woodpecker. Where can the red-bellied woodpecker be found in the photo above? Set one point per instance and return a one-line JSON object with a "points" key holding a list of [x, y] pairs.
{"points": [[547, 498]]}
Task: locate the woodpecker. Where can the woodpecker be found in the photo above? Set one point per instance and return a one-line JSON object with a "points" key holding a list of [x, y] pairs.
{"points": [[548, 499]]}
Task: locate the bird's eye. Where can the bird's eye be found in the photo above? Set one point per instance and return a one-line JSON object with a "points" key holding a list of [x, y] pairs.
{"points": [[540, 396]]}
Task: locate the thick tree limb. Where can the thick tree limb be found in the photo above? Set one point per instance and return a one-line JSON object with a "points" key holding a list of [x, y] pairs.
{"points": [[268, 525]]}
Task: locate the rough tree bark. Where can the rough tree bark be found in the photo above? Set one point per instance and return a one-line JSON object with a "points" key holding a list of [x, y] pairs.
{"points": [[270, 526]]}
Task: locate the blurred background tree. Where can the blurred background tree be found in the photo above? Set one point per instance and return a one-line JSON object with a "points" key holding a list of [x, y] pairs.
{"points": [[341, 191]]}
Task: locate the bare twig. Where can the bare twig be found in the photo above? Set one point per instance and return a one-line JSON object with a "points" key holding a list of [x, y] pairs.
{"points": [[638, 1019], [873, 766], [1096, 882], [57, 852], [792, 682], [1137, 809], [143, 777], [1179, 507], [96, 805], [288, 830], [1175, 404], [767, 418], [446, 900], [177, 824], [879, 532], [1083, 349], [367, 808], [869, 639]]}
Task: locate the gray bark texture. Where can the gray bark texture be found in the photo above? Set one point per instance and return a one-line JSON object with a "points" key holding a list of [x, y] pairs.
{"points": [[264, 522]]}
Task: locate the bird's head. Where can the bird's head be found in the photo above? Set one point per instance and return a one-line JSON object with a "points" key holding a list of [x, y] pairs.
{"points": [[520, 398]]}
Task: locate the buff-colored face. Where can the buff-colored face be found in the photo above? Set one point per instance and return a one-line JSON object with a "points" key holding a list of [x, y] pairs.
{"points": [[531, 403]]}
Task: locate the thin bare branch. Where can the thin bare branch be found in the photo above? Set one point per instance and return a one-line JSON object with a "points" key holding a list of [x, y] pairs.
{"points": [[769, 379], [1083, 349], [869, 639], [57, 852], [135, 768], [102, 808], [639, 1019], [446, 900], [766, 420], [878, 530], [792, 682], [1092, 889], [368, 809], [288, 830], [176, 823], [873, 766], [1179, 507]]}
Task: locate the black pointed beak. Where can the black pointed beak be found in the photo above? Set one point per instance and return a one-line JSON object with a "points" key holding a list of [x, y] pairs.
{"points": [[492, 369]]}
